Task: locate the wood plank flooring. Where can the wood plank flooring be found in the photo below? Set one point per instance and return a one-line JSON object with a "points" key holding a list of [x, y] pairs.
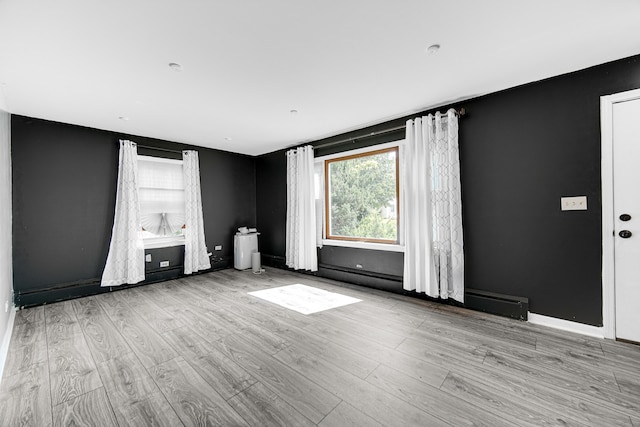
{"points": [[200, 351]]}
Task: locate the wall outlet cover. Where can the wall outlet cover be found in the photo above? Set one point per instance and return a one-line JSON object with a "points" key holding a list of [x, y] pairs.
{"points": [[576, 203]]}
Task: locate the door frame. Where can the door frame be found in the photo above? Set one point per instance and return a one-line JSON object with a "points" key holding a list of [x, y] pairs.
{"points": [[608, 225]]}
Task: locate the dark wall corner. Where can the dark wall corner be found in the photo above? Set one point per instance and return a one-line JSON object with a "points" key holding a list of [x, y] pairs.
{"points": [[64, 184]]}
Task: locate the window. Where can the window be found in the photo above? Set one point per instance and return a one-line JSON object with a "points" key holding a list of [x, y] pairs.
{"points": [[361, 197], [161, 195]]}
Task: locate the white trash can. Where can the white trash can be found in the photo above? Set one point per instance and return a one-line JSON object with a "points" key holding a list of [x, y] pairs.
{"points": [[255, 262]]}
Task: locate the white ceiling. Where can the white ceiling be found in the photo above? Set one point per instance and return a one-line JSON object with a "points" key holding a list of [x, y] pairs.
{"points": [[343, 64]]}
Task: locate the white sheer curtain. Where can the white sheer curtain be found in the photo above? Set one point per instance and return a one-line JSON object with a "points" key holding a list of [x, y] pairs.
{"points": [[125, 262], [434, 260], [196, 255], [301, 210]]}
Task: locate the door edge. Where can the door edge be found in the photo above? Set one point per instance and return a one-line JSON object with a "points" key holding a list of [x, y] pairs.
{"points": [[608, 239]]}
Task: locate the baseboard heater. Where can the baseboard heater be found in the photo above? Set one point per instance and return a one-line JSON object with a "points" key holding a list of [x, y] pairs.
{"points": [[361, 272], [503, 305], [276, 261], [81, 288]]}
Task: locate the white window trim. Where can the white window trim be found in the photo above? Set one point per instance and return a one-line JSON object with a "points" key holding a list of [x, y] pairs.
{"points": [[389, 247], [163, 242]]}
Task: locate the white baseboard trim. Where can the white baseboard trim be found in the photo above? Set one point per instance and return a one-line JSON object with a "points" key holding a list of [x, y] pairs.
{"points": [[566, 325], [4, 349]]}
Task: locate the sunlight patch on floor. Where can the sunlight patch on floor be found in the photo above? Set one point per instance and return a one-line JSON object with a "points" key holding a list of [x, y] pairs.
{"points": [[304, 299]]}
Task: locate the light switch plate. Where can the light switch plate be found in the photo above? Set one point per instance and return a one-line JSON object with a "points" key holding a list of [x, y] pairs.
{"points": [[576, 203]]}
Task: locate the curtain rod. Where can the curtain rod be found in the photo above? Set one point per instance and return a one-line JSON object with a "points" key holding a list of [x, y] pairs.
{"points": [[160, 149], [460, 113]]}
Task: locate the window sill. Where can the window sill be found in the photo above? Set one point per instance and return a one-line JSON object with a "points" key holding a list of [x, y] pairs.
{"points": [[364, 245], [163, 242]]}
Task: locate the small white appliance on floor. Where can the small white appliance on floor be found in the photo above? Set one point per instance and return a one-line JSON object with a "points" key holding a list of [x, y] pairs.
{"points": [[245, 242]]}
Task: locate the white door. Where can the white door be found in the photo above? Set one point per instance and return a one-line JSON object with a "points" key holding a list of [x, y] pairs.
{"points": [[626, 207]]}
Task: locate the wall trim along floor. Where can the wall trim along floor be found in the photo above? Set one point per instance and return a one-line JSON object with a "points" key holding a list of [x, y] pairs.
{"points": [[566, 325]]}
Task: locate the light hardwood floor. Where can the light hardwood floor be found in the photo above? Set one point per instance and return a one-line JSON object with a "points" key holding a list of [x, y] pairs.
{"points": [[201, 351]]}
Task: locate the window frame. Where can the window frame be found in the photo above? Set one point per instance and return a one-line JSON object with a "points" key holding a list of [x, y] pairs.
{"points": [[160, 241], [355, 242]]}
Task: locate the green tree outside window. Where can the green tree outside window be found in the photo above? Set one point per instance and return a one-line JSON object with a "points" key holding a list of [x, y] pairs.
{"points": [[363, 196]]}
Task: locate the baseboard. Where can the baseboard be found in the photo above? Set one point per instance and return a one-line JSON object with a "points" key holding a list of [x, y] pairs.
{"points": [[371, 280], [84, 288], [4, 348], [276, 261], [567, 325], [358, 272], [385, 282], [511, 306]]}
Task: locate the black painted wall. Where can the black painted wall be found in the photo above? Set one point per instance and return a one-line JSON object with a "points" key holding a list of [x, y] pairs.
{"points": [[271, 201], [64, 182], [520, 151]]}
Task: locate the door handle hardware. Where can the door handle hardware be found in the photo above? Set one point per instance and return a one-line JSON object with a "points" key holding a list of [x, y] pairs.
{"points": [[625, 234]]}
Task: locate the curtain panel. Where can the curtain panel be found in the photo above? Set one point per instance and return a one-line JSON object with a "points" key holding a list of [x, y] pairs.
{"points": [[434, 258], [196, 256], [125, 261], [301, 231]]}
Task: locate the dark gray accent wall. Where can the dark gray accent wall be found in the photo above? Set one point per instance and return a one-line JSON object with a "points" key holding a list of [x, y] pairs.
{"points": [[64, 179], [520, 151], [64, 183], [271, 201]]}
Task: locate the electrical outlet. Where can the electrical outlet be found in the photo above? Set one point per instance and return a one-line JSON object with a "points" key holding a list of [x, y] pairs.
{"points": [[164, 263], [218, 247], [577, 203]]}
